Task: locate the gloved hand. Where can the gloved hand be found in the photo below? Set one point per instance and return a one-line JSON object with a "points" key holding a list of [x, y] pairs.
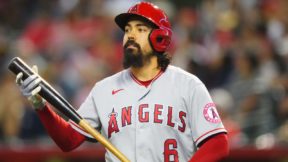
{"points": [[30, 88]]}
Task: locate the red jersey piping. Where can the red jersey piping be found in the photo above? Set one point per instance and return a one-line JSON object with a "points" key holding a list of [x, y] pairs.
{"points": [[146, 83], [207, 133]]}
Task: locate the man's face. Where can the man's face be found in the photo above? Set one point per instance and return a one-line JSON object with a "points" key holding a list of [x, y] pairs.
{"points": [[137, 49]]}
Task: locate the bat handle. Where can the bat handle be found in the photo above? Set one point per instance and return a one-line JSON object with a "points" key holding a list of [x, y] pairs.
{"points": [[86, 126]]}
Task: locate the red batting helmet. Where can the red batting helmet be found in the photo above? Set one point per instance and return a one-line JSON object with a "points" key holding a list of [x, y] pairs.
{"points": [[159, 38]]}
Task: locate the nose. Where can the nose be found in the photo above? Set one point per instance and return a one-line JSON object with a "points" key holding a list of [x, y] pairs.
{"points": [[131, 35], [131, 38]]}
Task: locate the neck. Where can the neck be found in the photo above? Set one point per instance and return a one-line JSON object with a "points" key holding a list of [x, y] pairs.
{"points": [[148, 71]]}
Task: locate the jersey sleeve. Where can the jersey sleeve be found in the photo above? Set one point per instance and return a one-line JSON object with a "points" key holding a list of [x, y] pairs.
{"points": [[88, 112], [205, 120]]}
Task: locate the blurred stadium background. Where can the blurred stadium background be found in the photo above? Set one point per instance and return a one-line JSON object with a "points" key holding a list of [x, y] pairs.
{"points": [[238, 48]]}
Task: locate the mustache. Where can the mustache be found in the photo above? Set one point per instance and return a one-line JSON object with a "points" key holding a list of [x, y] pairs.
{"points": [[131, 42]]}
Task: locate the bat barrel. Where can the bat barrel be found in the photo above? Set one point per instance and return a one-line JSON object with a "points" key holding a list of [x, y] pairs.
{"points": [[47, 92], [54, 98]]}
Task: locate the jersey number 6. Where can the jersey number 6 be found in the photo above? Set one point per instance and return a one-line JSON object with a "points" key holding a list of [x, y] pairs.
{"points": [[170, 150]]}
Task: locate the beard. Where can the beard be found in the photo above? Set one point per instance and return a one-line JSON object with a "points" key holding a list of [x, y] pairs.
{"points": [[133, 57]]}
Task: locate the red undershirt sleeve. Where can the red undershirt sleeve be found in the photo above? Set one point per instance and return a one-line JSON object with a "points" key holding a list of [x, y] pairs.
{"points": [[212, 150], [60, 130]]}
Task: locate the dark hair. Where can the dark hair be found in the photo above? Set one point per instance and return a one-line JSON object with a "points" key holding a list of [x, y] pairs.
{"points": [[163, 60]]}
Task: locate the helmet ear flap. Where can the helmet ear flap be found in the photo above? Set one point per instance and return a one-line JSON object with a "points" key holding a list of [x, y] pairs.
{"points": [[160, 39]]}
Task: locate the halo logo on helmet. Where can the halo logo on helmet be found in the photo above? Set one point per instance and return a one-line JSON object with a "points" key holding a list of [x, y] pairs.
{"points": [[133, 9], [160, 37]]}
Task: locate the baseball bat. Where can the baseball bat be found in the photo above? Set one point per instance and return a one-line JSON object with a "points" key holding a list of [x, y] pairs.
{"points": [[17, 65]]}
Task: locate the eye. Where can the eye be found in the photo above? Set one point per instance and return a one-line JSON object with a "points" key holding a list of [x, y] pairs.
{"points": [[126, 30], [142, 29]]}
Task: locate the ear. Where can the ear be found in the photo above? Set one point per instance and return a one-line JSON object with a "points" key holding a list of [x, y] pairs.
{"points": [[160, 39]]}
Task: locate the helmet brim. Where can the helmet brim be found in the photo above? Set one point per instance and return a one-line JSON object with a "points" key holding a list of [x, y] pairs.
{"points": [[122, 19]]}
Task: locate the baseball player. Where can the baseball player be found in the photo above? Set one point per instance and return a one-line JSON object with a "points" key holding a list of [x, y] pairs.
{"points": [[151, 111]]}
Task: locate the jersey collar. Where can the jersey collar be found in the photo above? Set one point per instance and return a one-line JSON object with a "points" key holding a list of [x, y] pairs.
{"points": [[145, 83]]}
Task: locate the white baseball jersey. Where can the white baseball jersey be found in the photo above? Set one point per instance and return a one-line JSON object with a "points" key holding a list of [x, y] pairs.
{"points": [[159, 123]]}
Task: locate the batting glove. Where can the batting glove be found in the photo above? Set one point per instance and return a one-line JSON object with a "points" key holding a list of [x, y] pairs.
{"points": [[30, 88]]}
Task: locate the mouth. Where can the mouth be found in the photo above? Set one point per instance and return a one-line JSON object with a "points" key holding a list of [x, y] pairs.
{"points": [[131, 47]]}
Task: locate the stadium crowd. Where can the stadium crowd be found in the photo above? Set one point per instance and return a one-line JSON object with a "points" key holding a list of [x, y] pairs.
{"points": [[239, 49]]}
